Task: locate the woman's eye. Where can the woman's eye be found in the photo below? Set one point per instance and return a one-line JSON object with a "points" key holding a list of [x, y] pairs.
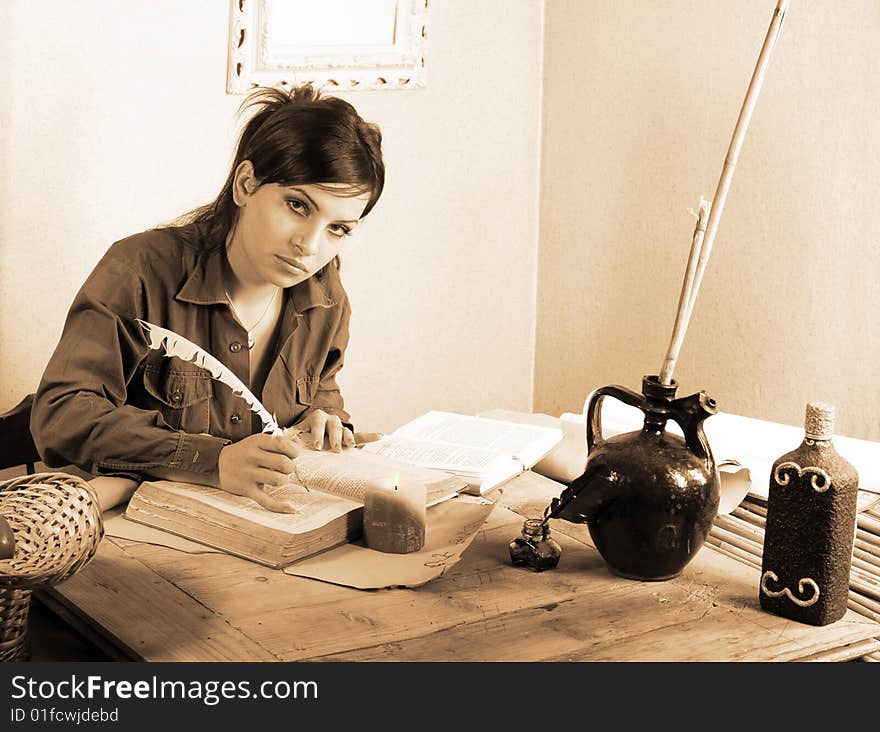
{"points": [[339, 231], [297, 206]]}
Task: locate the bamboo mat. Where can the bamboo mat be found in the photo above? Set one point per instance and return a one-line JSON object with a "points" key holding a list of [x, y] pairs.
{"points": [[740, 535]]}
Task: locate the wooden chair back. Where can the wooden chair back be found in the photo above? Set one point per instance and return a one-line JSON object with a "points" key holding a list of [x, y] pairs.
{"points": [[16, 444]]}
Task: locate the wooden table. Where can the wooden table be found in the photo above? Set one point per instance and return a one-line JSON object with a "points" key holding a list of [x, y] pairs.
{"points": [[153, 603]]}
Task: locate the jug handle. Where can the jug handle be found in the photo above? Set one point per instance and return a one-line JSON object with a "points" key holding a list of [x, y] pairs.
{"points": [[594, 409]]}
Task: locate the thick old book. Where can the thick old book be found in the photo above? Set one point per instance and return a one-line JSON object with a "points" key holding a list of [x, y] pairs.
{"points": [[328, 495], [484, 452]]}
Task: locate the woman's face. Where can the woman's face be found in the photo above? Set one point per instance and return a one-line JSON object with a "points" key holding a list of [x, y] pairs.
{"points": [[284, 234]]}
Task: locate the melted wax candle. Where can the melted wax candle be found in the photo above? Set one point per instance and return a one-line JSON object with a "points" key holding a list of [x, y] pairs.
{"points": [[394, 516]]}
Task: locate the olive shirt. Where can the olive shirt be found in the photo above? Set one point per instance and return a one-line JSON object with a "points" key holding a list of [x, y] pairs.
{"points": [[110, 405]]}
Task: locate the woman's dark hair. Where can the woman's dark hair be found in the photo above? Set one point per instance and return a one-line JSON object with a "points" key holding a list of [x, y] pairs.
{"points": [[298, 137]]}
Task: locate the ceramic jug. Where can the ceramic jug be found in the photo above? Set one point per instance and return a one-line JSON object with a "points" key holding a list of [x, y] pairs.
{"points": [[648, 497]]}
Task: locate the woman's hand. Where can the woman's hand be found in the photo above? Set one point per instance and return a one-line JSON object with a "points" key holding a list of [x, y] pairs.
{"points": [[263, 459], [318, 426]]}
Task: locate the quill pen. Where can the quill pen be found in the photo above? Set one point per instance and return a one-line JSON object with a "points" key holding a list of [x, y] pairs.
{"points": [[162, 339]]}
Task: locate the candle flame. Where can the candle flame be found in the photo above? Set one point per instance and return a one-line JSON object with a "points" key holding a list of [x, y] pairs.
{"points": [[396, 480]]}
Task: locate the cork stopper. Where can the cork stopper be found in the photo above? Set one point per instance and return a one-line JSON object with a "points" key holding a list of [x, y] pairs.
{"points": [[819, 421]]}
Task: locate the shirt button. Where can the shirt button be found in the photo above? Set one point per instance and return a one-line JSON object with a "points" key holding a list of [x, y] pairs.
{"points": [[176, 396], [235, 346], [235, 418]]}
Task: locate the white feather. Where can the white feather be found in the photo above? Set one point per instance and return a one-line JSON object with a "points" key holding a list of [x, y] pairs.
{"points": [[176, 345]]}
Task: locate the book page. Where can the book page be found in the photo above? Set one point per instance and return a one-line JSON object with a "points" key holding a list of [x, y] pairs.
{"points": [[313, 509], [348, 474], [523, 442], [332, 485], [461, 458]]}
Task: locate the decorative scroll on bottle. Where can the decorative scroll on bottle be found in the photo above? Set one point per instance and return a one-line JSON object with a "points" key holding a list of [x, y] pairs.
{"points": [[811, 514]]}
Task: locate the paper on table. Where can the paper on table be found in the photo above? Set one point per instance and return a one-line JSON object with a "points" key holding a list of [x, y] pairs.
{"points": [[451, 527], [735, 484]]}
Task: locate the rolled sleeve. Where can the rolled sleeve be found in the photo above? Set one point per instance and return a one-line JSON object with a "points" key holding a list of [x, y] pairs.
{"points": [[198, 453]]}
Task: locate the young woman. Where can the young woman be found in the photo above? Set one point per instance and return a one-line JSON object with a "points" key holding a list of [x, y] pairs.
{"points": [[253, 279]]}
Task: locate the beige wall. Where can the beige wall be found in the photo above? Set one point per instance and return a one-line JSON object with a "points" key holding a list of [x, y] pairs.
{"points": [[640, 100], [114, 118], [113, 122]]}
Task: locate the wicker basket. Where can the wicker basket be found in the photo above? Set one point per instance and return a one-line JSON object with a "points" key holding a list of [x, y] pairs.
{"points": [[57, 525]]}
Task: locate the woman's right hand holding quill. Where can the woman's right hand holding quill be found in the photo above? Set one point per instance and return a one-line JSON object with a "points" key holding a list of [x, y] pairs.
{"points": [[246, 466]]}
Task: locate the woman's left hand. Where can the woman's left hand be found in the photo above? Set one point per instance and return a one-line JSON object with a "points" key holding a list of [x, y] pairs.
{"points": [[319, 427]]}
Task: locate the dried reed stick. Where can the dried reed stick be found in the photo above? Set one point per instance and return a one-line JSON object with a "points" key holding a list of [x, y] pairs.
{"points": [[869, 524], [868, 541], [721, 190], [854, 605], [865, 566], [743, 528], [870, 554], [864, 586], [733, 552], [756, 508], [682, 314], [749, 516], [867, 602], [746, 544]]}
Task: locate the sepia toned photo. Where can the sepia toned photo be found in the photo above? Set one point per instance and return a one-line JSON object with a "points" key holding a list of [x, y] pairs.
{"points": [[437, 331]]}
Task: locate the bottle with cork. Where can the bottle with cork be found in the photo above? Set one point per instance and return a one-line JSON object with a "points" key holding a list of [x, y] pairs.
{"points": [[811, 516]]}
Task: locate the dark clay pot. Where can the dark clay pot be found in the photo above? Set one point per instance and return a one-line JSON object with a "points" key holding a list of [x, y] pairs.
{"points": [[648, 497]]}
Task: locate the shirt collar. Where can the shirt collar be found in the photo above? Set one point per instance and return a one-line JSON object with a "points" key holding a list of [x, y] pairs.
{"points": [[315, 292], [205, 284]]}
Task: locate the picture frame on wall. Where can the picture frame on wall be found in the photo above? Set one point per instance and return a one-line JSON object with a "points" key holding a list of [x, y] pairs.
{"points": [[343, 45]]}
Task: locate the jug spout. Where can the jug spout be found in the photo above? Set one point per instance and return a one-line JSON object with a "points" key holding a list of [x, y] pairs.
{"points": [[690, 413], [584, 497]]}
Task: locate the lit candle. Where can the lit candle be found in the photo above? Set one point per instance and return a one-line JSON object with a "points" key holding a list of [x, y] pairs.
{"points": [[394, 516]]}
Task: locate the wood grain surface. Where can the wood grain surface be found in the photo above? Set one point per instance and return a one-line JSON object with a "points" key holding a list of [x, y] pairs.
{"points": [[159, 604]]}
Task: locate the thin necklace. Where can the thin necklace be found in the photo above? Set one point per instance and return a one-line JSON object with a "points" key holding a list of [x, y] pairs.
{"points": [[250, 331]]}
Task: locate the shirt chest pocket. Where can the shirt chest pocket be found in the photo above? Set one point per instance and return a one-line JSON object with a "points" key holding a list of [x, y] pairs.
{"points": [[183, 399]]}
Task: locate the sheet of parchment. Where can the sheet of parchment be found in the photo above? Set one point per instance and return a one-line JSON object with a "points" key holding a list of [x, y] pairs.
{"points": [[451, 527]]}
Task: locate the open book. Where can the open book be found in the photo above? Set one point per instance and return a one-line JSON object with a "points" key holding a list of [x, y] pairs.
{"points": [[329, 501], [484, 452]]}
